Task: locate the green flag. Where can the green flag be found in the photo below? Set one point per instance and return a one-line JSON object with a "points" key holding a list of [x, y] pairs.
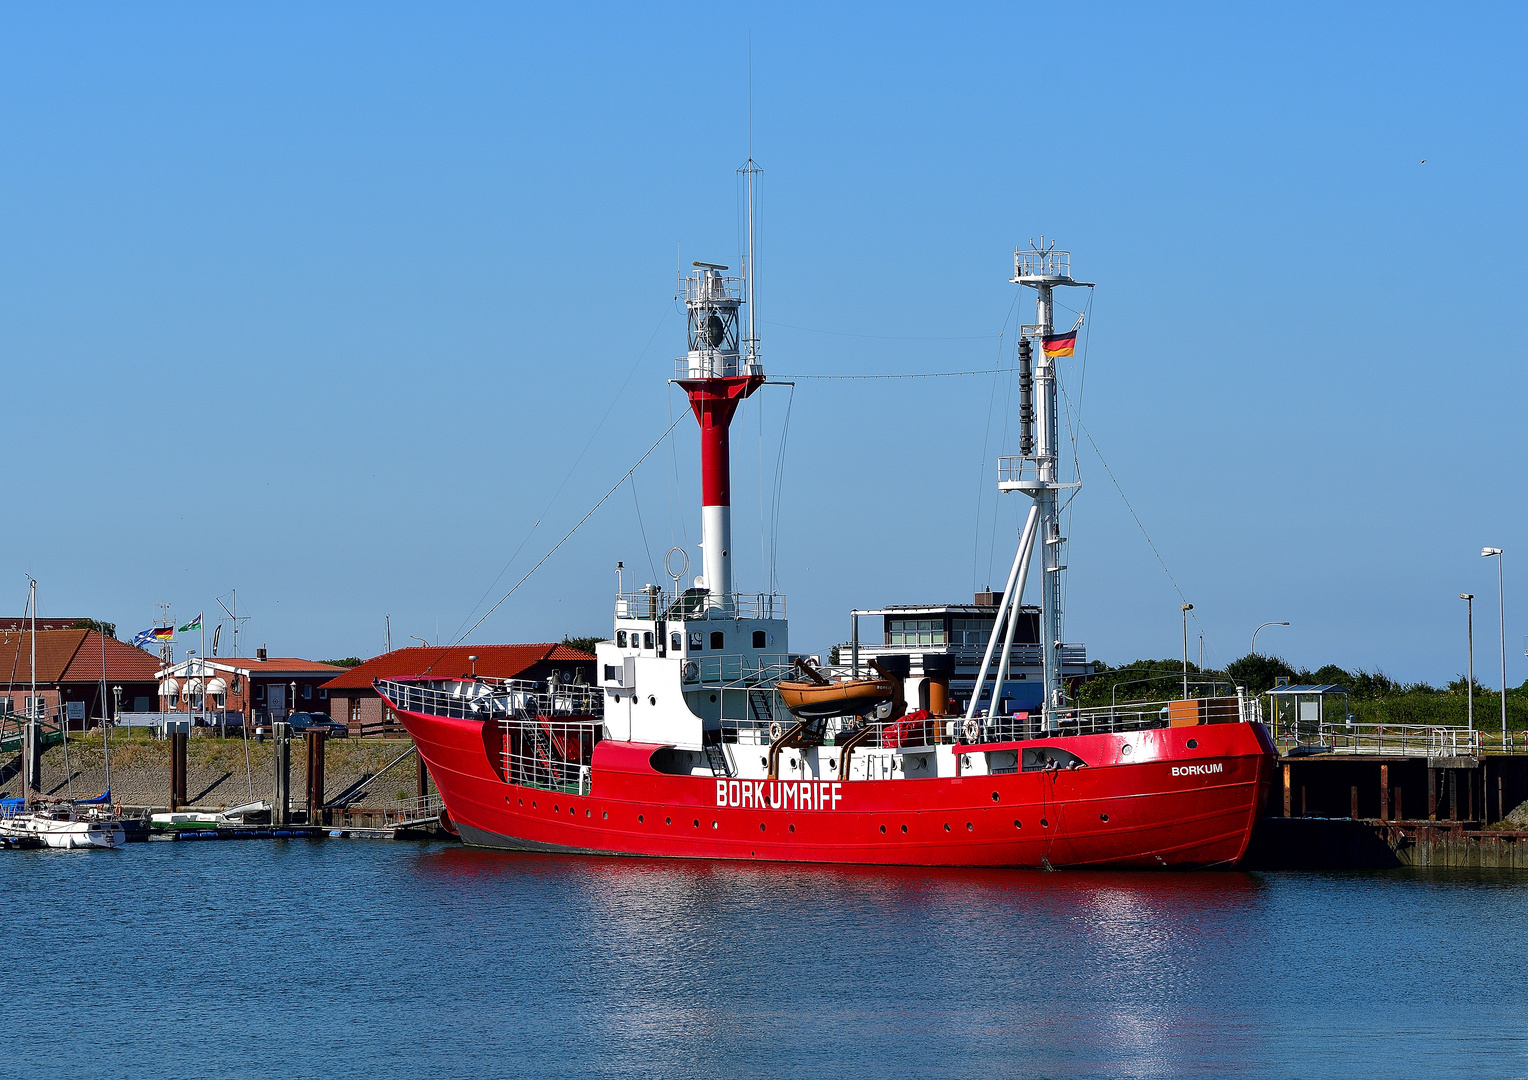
{"points": [[194, 624]]}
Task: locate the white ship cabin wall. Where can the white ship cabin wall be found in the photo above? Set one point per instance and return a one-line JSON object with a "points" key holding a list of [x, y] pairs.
{"points": [[960, 631], [672, 678]]}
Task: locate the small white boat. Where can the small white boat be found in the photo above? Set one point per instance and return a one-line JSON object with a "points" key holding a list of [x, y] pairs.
{"points": [[62, 829]]}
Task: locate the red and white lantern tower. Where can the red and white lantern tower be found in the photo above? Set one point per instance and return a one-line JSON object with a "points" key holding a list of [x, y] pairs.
{"points": [[720, 370]]}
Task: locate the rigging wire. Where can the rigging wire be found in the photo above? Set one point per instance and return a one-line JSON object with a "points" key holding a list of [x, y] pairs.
{"points": [[917, 375], [642, 528], [879, 337], [565, 536], [684, 529], [774, 513], [571, 469], [1087, 337]]}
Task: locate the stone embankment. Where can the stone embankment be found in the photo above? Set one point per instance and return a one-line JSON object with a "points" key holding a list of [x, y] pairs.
{"points": [[220, 773]]}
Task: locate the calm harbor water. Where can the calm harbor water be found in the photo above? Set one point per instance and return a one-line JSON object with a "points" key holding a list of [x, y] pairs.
{"points": [[371, 958]]}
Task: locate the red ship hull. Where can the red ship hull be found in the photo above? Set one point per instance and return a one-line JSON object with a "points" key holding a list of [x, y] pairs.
{"points": [[1177, 797]]}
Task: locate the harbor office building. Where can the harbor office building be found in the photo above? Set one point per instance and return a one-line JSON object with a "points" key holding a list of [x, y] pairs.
{"points": [[70, 669], [943, 647], [254, 691], [353, 701]]}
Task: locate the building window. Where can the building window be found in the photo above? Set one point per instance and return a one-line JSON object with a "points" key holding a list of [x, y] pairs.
{"points": [[220, 701], [355, 710], [915, 632], [323, 694], [307, 691], [7, 705], [260, 693], [174, 700], [970, 631]]}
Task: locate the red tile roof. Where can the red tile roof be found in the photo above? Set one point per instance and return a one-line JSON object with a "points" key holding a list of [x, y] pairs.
{"points": [[71, 656], [285, 665], [449, 662]]}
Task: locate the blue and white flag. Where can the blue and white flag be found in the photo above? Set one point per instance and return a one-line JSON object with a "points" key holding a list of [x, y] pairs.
{"points": [[143, 639]]}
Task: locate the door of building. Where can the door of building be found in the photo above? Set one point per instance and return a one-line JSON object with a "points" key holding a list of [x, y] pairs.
{"points": [[275, 699]]}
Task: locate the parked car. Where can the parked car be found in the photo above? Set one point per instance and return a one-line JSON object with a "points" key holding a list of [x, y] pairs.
{"points": [[303, 721]]}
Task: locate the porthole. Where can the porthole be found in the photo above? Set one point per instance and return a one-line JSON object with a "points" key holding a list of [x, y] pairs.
{"points": [[793, 828], [533, 804], [994, 796], [904, 828], [883, 828], [1126, 749], [605, 814], [1103, 817], [764, 761], [697, 823], [588, 813], [556, 809], [572, 811], [761, 826], [668, 821], [1044, 824], [970, 827], [522, 802], [1017, 824], [1193, 744], [713, 699], [640, 819], [652, 699], [946, 826], [714, 825]]}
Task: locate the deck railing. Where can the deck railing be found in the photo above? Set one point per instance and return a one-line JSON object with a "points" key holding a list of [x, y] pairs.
{"points": [[486, 699], [1401, 740]]}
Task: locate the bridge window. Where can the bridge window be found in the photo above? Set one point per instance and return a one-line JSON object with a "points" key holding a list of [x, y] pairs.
{"points": [[760, 639], [676, 641], [915, 631], [717, 639], [697, 640], [647, 640], [620, 639], [970, 631]]}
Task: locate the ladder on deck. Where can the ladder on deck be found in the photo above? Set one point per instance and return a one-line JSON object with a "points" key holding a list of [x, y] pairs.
{"points": [[761, 705], [716, 757]]}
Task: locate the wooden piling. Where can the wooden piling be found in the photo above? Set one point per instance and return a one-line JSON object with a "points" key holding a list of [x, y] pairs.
{"points": [[1384, 792], [1353, 813], [422, 777], [316, 742], [178, 740], [1453, 794], [281, 737], [1432, 794]]}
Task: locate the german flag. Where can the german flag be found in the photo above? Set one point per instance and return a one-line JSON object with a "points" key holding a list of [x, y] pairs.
{"points": [[1061, 344]]}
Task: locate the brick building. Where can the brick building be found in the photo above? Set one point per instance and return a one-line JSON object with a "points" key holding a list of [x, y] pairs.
{"points": [[260, 690], [352, 699], [70, 665]]}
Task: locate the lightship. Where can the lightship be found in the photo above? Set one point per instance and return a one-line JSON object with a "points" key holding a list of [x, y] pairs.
{"points": [[686, 747]]}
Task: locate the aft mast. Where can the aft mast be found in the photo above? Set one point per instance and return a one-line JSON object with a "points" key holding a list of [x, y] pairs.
{"points": [[1043, 269]]}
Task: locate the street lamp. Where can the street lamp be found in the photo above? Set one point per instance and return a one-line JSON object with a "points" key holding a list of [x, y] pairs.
{"points": [[117, 693], [1186, 608], [1253, 650], [1486, 553], [292, 699], [1469, 604]]}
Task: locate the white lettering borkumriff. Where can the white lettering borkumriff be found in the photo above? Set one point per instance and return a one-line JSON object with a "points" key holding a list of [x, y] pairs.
{"points": [[774, 795]]}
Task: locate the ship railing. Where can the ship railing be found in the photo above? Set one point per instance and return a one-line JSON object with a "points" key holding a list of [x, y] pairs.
{"points": [[1036, 263], [919, 729], [698, 605], [486, 699], [736, 671], [554, 755], [1401, 740], [698, 286], [716, 364]]}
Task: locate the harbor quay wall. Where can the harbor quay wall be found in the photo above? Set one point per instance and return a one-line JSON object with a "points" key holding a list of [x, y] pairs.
{"points": [[217, 776], [1368, 844]]}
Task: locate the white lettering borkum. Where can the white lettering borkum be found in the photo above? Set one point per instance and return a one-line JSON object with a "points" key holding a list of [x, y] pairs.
{"points": [[1197, 770]]}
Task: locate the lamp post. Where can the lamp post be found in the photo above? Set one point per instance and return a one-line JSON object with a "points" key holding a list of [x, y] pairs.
{"points": [[1486, 553], [117, 712], [1253, 649], [292, 698], [1186, 608], [1469, 607]]}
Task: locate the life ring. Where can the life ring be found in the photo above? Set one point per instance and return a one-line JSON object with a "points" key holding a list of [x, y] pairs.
{"points": [[691, 671], [775, 731], [971, 730]]}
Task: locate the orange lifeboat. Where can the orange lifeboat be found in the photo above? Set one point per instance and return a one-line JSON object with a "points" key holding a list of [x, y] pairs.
{"points": [[817, 698]]}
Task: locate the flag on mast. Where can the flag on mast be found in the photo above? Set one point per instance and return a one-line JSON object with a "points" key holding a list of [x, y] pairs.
{"points": [[164, 633], [1062, 344], [196, 623]]}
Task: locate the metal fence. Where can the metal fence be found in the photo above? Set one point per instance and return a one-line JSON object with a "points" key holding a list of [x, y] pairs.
{"points": [[698, 605], [549, 754], [1401, 740]]}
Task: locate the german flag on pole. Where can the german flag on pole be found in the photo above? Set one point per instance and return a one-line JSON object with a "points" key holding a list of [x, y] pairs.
{"points": [[1061, 344]]}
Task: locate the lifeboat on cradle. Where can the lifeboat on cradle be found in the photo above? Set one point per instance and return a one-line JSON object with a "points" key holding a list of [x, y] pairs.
{"points": [[818, 698]]}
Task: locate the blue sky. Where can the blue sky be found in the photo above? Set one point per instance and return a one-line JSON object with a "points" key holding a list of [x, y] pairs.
{"points": [[333, 304]]}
